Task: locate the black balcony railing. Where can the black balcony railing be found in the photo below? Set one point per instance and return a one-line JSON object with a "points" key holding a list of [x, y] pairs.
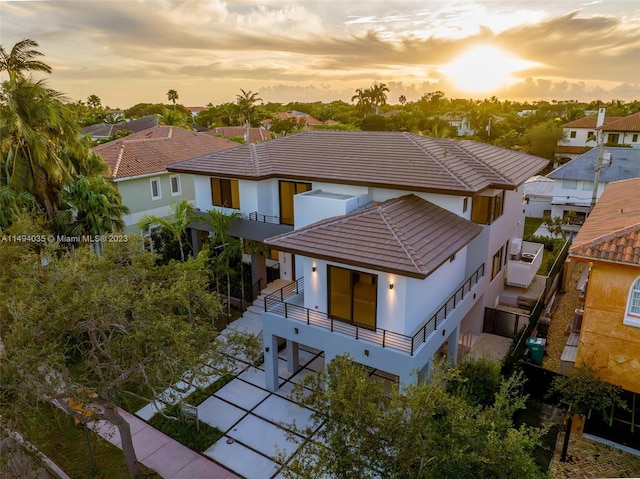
{"points": [[255, 216], [276, 303]]}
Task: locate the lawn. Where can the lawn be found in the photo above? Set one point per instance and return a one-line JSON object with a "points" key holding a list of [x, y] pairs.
{"points": [[54, 433], [531, 225]]}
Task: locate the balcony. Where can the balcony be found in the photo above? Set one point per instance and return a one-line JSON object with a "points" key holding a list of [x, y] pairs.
{"points": [[524, 265], [287, 302], [255, 216]]}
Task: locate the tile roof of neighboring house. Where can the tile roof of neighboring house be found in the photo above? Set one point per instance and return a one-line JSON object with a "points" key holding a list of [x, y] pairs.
{"points": [[539, 186], [612, 230], [386, 159], [256, 135], [590, 122], [103, 130], [574, 150], [628, 123], [308, 119], [150, 151], [408, 236], [625, 164]]}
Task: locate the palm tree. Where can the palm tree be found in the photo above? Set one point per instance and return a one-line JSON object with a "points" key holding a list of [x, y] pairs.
{"points": [[402, 100], [95, 208], [363, 100], [182, 214], [22, 58], [224, 250], [172, 95], [40, 145], [378, 94], [174, 118], [246, 103], [93, 101], [12, 204]]}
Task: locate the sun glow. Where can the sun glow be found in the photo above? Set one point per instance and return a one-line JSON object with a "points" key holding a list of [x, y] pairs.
{"points": [[483, 69]]}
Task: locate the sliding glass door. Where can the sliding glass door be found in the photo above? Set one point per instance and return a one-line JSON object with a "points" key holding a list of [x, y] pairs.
{"points": [[353, 296]]}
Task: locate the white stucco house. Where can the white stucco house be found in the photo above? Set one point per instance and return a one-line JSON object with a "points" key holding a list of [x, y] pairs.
{"points": [[580, 135], [393, 243], [573, 186], [538, 194]]}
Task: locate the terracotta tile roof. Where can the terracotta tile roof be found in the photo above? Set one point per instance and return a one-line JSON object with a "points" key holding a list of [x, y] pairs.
{"points": [[612, 230], [590, 122], [574, 150], [625, 164], [150, 151], [370, 158], [628, 123], [256, 135], [408, 236]]}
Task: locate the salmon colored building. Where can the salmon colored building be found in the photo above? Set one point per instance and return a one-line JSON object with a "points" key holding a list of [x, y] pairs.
{"points": [[609, 241]]}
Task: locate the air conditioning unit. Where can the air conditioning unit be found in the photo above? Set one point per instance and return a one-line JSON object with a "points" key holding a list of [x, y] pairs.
{"points": [[515, 246], [606, 158]]}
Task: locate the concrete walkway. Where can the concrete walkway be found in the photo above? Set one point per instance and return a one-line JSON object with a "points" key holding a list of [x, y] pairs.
{"points": [[157, 451]]}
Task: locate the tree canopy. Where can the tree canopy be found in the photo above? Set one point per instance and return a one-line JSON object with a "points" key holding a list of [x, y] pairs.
{"points": [[87, 329], [425, 431]]}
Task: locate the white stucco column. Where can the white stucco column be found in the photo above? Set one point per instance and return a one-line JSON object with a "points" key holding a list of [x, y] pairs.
{"points": [[452, 352], [293, 356], [271, 362]]}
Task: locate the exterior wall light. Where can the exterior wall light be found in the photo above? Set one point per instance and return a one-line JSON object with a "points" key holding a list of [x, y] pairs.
{"points": [[366, 352], [313, 268], [390, 285], [295, 330]]}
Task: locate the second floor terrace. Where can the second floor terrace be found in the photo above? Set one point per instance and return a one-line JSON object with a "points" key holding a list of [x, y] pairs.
{"points": [[288, 302]]}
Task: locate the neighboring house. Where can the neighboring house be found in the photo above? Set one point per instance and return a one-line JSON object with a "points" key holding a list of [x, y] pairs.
{"points": [[249, 135], [194, 110], [538, 193], [460, 123], [580, 135], [102, 131], [609, 335], [137, 168], [394, 243], [308, 121], [574, 182]]}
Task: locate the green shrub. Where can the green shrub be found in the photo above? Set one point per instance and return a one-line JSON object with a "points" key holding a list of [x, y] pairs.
{"points": [[479, 381], [185, 431]]}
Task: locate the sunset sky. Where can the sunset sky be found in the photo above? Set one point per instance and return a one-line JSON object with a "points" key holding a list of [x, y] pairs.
{"points": [[134, 51]]}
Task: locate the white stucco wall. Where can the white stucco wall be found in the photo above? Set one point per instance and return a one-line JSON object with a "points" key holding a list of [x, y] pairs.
{"points": [[402, 309]]}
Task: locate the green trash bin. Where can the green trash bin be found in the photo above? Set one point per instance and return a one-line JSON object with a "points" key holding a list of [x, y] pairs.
{"points": [[536, 349]]}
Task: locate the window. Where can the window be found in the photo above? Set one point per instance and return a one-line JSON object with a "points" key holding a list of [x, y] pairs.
{"points": [[572, 134], [590, 135], [225, 193], [497, 263], [570, 184], [632, 316], [465, 204], [353, 296], [156, 192], [175, 185], [486, 209], [613, 138], [506, 252], [587, 185], [634, 138], [287, 190]]}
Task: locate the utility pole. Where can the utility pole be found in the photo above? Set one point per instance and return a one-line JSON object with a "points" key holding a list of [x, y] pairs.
{"points": [[600, 135], [600, 141]]}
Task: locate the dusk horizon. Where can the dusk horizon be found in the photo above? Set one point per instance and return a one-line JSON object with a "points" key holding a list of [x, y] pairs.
{"points": [[128, 53]]}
